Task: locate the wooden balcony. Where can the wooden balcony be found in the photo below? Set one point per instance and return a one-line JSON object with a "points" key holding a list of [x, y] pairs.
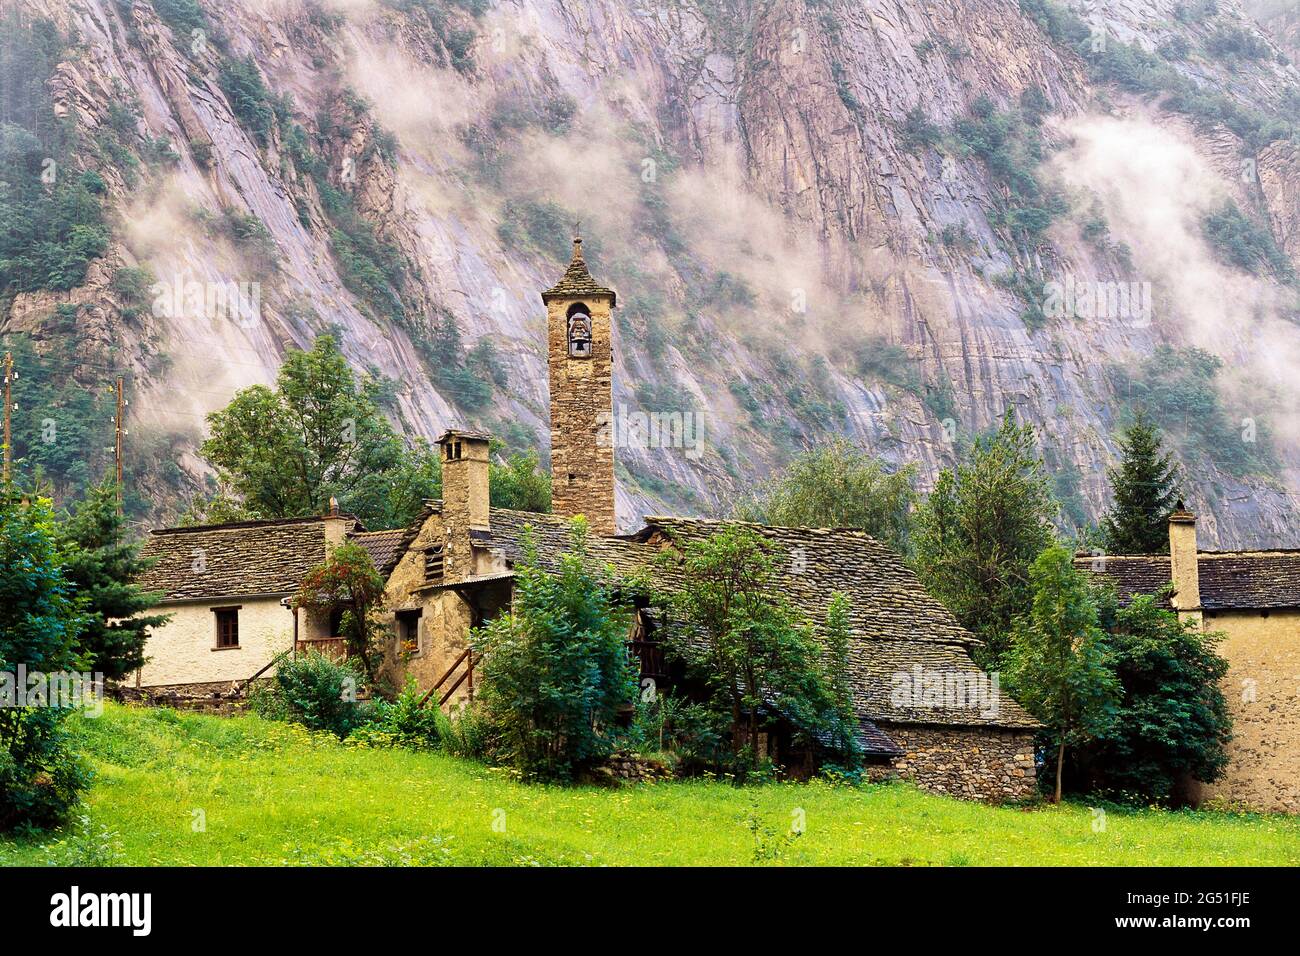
{"points": [[335, 648]]}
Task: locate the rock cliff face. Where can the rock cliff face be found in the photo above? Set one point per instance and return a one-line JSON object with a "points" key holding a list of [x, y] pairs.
{"points": [[802, 239]]}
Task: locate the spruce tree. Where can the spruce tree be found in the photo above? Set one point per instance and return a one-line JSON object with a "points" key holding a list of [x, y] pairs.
{"points": [[102, 564], [1145, 489]]}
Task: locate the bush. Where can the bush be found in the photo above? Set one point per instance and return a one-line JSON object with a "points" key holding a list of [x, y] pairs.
{"points": [[40, 776], [1173, 720], [1179, 390], [466, 733], [1240, 241], [249, 98], [555, 668], [693, 736], [312, 690], [402, 721]]}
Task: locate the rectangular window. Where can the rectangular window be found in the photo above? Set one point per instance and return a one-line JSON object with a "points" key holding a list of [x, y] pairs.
{"points": [[408, 630], [227, 626], [433, 563]]}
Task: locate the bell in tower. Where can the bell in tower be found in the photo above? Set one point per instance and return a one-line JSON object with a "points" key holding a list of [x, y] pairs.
{"points": [[579, 331], [579, 354]]}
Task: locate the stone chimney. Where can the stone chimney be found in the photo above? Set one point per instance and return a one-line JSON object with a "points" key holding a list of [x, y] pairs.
{"points": [[465, 478], [1183, 567], [336, 525], [580, 356]]}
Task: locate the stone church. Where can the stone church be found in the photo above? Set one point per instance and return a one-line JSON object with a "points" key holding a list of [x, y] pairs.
{"points": [[926, 711]]}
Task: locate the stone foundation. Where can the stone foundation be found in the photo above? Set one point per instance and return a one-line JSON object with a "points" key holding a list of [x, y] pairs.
{"points": [[974, 763], [212, 696], [629, 768]]}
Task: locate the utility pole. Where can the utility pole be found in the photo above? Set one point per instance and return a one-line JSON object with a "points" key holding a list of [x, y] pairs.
{"points": [[9, 406], [117, 428]]}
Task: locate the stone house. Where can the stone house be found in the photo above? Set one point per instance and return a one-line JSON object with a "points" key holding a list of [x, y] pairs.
{"points": [[926, 711], [227, 589], [1253, 599]]}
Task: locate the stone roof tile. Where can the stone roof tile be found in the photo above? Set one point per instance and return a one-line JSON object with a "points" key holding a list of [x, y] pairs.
{"points": [[577, 283], [897, 625], [1229, 580], [246, 558]]}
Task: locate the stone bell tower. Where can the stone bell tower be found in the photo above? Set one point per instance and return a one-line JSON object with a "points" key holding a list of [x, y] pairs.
{"points": [[580, 357]]}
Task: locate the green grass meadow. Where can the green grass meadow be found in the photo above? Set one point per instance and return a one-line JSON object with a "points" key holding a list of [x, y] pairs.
{"points": [[185, 789]]}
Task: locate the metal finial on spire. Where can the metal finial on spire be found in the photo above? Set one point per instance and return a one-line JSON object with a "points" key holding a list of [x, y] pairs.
{"points": [[577, 229]]}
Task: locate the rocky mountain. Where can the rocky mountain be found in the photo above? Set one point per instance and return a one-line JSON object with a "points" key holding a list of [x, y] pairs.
{"points": [[888, 219]]}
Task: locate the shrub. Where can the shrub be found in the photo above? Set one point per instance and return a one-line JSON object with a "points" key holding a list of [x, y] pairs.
{"points": [[1173, 720], [88, 845], [249, 98], [40, 776], [346, 583], [1240, 241], [743, 640], [691, 734], [918, 132], [402, 721], [313, 690], [465, 733], [555, 668], [1179, 390]]}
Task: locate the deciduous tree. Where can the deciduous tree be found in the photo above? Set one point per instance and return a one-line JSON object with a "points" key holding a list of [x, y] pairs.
{"points": [[1173, 724], [1056, 665], [555, 669], [839, 486], [284, 452], [744, 641], [979, 531], [348, 583]]}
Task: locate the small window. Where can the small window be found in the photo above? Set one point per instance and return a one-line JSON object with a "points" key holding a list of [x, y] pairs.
{"points": [[408, 630], [433, 563], [227, 626], [336, 623]]}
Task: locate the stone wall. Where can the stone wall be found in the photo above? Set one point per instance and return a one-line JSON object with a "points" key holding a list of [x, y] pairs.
{"points": [[184, 650], [974, 763], [629, 768], [1263, 653], [219, 697]]}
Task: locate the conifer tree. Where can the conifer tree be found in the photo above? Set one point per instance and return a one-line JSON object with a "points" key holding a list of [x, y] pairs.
{"points": [[1144, 486], [102, 565]]}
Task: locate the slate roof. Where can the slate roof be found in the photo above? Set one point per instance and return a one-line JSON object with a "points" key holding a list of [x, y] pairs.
{"points": [[244, 558], [385, 547], [875, 742], [897, 624], [1229, 580], [577, 283]]}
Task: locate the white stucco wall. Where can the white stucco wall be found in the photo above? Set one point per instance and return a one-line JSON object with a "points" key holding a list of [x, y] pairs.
{"points": [[184, 651]]}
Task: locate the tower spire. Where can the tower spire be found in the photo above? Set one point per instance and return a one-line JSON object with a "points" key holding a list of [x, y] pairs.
{"points": [[580, 358]]}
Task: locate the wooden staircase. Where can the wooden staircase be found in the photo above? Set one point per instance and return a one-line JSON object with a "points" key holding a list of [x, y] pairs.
{"points": [[467, 658]]}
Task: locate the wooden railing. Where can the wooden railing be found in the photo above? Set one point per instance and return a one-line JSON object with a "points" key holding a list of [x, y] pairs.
{"points": [[335, 648], [468, 658], [240, 688]]}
